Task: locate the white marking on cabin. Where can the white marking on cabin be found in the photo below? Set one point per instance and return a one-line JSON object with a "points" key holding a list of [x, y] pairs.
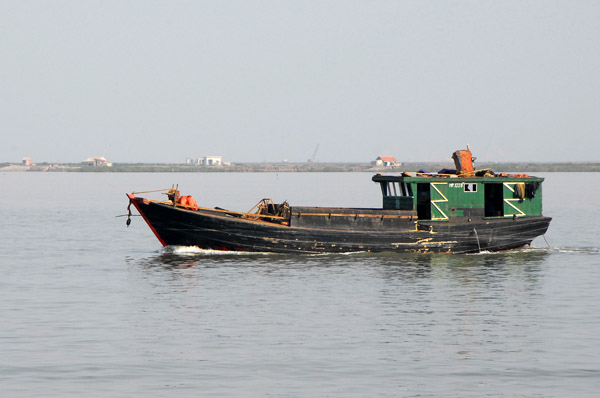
{"points": [[520, 213], [435, 202]]}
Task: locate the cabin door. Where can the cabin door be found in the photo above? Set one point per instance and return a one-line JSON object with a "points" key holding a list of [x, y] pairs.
{"points": [[494, 200], [423, 201]]}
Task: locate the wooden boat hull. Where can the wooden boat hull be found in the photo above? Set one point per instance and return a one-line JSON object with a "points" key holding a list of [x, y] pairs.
{"points": [[352, 230]]}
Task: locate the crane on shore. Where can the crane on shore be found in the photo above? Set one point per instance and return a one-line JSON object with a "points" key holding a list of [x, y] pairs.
{"points": [[313, 159]]}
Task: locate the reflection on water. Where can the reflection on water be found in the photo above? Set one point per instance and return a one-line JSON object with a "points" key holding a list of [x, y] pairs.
{"points": [[417, 263], [396, 279]]}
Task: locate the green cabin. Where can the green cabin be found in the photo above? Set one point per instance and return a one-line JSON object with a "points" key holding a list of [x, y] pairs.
{"points": [[454, 198]]}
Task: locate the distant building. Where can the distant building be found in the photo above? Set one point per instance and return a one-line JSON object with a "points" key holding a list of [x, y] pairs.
{"points": [[385, 161], [26, 161], [97, 162], [205, 161], [212, 160]]}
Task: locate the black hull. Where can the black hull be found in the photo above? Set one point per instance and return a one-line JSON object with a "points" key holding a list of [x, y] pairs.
{"points": [[216, 230]]}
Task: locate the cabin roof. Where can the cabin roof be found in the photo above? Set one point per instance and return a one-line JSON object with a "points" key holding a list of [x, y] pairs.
{"points": [[448, 178]]}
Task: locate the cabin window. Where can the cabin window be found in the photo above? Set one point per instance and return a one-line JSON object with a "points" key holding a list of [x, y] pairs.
{"points": [[396, 189], [397, 195], [470, 187], [494, 200]]}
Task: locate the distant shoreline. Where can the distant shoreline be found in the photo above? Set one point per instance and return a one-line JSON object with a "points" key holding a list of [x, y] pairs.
{"points": [[296, 167]]}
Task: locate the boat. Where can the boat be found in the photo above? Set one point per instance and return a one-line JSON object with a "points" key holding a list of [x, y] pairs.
{"points": [[459, 210]]}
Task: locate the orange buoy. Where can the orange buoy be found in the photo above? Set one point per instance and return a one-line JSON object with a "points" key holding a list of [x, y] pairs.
{"points": [[187, 201], [183, 200], [192, 202]]}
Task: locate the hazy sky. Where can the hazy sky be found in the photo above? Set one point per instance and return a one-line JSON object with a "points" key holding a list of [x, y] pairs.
{"points": [[253, 81]]}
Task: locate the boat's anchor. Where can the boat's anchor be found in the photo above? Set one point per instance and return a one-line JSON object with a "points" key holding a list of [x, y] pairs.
{"points": [[128, 222], [128, 215]]}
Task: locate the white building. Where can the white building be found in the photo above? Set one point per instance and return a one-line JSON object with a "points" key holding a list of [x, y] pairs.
{"points": [[206, 161], [97, 162], [385, 161], [211, 161]]}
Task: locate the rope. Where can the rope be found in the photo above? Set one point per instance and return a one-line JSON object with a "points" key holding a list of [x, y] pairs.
{"points": [[157, 190], [477, 236], [544, 236]]}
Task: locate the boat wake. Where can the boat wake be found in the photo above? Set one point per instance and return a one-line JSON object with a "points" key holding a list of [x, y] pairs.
{"points": [[511, 251], [482, 253], [577, 250], [550, 249], [195, 251]]}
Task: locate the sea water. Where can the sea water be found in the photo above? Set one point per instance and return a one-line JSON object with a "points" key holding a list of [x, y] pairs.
{"points": [[90, 307]]}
